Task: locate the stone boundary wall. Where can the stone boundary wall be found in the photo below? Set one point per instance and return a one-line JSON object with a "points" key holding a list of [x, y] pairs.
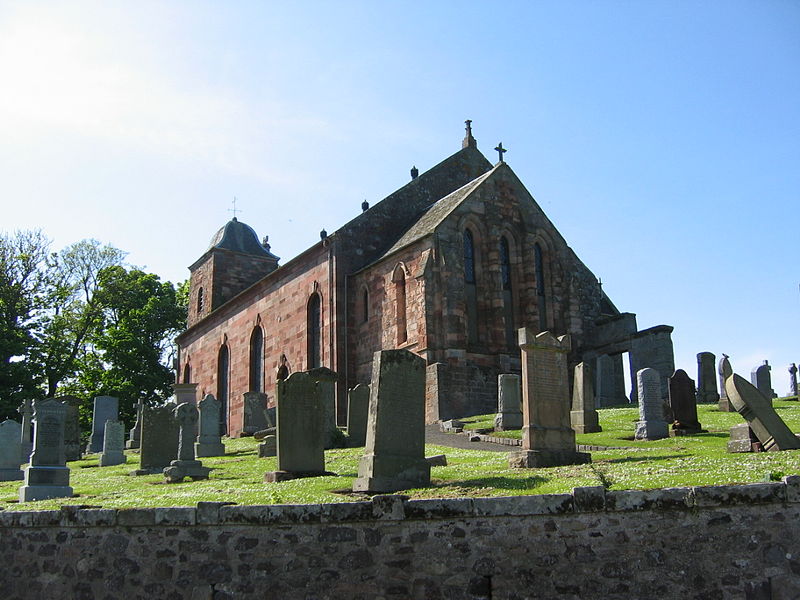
{"points": [[738, 541]]}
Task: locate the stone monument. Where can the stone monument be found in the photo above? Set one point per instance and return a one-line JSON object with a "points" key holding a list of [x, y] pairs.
{"points": [[113, 444], [159, 444], [72, 428], [185, 392], [255, 415], [394, 456], [209, 442], [135, 435], [509, 404], [268, 446], [26, 432], [706, 378], [548, 440], [651, 424], [583, 417], [48, 475], [743, 439], [10, 452], [762, 379], [186, 465], [793, 380], [357, 415], [683, 401], [757, 409], [724, 371], [106, 408], [326, 383]]}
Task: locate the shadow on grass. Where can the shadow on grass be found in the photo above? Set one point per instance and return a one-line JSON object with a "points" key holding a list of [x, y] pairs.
{"points": [[638, 459], [504, 483], [714, 435]]}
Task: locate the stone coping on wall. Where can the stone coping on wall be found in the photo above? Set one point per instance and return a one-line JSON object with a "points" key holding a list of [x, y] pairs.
{"points": [[398, 508]]}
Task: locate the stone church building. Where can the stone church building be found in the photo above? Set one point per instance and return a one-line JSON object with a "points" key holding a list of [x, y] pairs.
{"points": [[449, 266]]}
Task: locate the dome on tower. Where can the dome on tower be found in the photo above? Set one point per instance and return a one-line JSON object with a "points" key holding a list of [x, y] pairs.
{"points": [[239, 237]]}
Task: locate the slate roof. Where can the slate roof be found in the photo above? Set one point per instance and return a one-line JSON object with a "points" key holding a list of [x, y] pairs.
{"points": [[239, 237]]}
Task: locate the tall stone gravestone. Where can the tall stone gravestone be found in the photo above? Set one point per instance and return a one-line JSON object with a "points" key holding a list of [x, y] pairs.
{"points": [[583, 417], [326, 383], [357, 415], [187, 464], [106, 408], [683, 401], [706, 378], [135, 434], [185, 392], [255, 415], [548, 439], [762, 379], [26, 432], [509, 403], [209, 442], [10, 453], [72, 428], [757, 409], [723, 370], [113, 444], [394, 456], [48, 475], [159, 439], [651, 424], [793, 380]]}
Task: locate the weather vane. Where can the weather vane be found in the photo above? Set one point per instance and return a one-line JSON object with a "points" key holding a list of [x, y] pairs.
{"points": [[234, 210]]}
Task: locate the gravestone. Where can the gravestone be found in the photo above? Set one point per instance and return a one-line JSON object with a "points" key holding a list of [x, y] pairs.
{"points": [[106, 408], [255, 415], [706, 378], [47, 476], [651, 424], [326, 383], [793, 379], [135, 434], [394, 456], [159, 444], [757, 409], [26, 432], [72, 428], [724, 370], [509, 404], [186, 465], [301, 432], [113, 444], [762, 379], [185, 392], [268, 446], [209, 442], [683, 401], [357, 414], [743, 439], [10, 451], [548, 439], [583, 417]]}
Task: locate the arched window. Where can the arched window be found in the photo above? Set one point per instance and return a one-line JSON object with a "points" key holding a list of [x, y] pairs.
{"points": [[508, 298], [200, 301], [365, 305], [470, 291], [187, 373], [223, 365], [538, 265], [314, 331], [399, 279], [257, 360]]}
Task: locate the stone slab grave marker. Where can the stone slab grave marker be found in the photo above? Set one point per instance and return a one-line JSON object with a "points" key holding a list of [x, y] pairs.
{"points": [[761, 378], [706, 378], [683, 401], [326, 380], [268, 446], [209, 442], [394, 456], [724, 370], [106, 408], [113, 444], [255, 413], [509, 403], [186, 465], [651, 424], [72, 428], [301, 429], [743, 439], [548, 439], [793, 380], [10, 451], [135, 434], [26, 432], [185, 392], [357, 415], [583, 417], [757, 409], [47, 476], [159, 444]]}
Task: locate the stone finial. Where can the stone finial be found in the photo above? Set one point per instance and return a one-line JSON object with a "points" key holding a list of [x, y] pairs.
{"points": [[364, 206], [414, 172], [469, 141], [323, 234], [265, 243]]}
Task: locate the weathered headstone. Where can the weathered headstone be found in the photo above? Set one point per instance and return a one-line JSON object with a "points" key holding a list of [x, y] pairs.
{"points": [[724, 370], [209, 442], [135, 435], [394, 456], [683, 401], [357, 415], [106, 408], [762, 379], [326, 383], [743, 439], [186, 465], [793, 380], [757, 409], [706, 378], [10, 453], [159, 439], [548, 439], [583, 417], [47, 476], [72, 428], [113, 444], [509, 403], [651, 424], [255, 416], [26, 433], [185, 392], [268, 446]]}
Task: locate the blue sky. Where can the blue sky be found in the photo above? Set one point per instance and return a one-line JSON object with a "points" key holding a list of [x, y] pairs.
{"points": [[661, 138]]}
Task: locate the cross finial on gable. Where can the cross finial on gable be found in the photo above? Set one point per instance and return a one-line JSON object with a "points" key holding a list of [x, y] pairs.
{"points": [[469, 141], [501, 151], [234, 210]]}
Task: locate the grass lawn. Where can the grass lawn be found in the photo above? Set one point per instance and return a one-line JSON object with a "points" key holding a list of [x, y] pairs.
{"points": [[237, 477]]}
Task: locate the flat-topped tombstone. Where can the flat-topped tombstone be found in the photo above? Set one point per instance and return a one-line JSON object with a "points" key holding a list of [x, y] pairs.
{"points": [[72, 428], [725, 371], [209, 442], [683, 401], [743, 439], [761, 378], [706, 378], [26, 433], [793, 380], [106, 408], [255, 415], [770, 429], [159, 439], [357, 415], [47, 476], [185, 392], [583, 417], [186, 465], [113, 444], [394, 456], [10, 451], [326, 384], [651, 424], [509, 402], [548, 439]]}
